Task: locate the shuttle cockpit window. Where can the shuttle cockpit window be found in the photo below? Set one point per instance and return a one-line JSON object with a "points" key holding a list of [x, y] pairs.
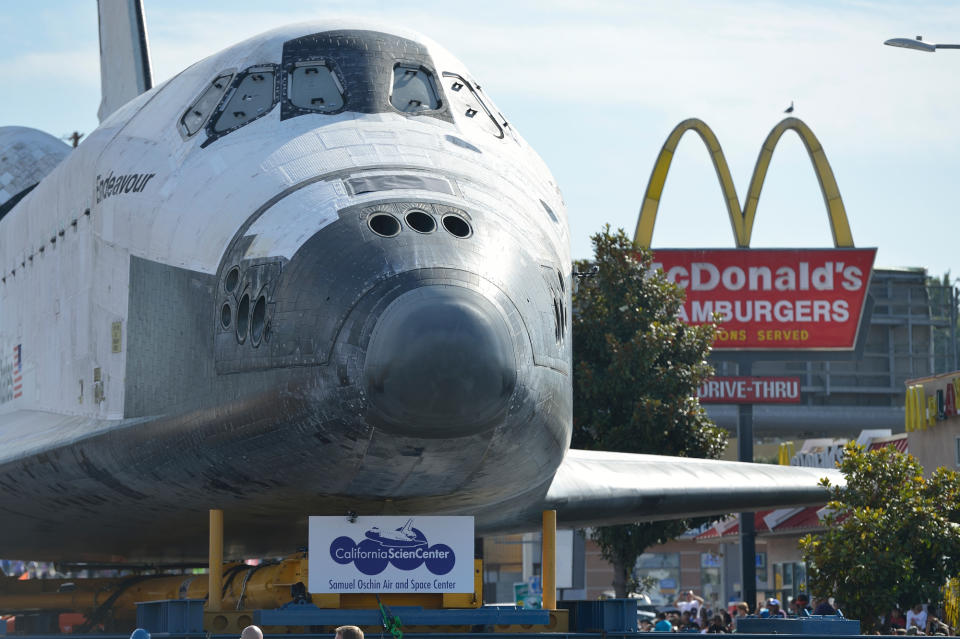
{"points": [[468, 104], [253, 97], [315, 87], [414, 89], [196, 116]]}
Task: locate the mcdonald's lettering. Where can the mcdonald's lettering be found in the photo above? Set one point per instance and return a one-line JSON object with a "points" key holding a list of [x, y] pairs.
{"points": [[772, 299]]}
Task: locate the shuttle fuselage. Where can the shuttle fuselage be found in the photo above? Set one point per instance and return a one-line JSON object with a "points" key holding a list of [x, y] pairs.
{"points": [[316, 271]]}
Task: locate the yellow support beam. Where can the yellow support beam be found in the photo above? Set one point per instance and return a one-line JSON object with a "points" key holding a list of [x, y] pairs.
{"points": [[216, 562], [548, 561]]}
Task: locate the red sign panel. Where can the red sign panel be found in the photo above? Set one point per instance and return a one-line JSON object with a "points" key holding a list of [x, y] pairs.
{"points": [[773, 299], [750, 390]]}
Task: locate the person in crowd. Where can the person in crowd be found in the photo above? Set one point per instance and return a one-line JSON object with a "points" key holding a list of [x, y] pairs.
{"points": [[705, 617], [349, 632], [716, 625], [646, 625], [689, 602], [774, 610], [824, 607], [662, 624], [896, 619], [801, 605], [727, 620], [917, 616], [935, 626], [740, 610]]}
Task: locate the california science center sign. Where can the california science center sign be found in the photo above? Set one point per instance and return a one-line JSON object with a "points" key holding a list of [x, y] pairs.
{"points": [[391, 554], [773, 299]]}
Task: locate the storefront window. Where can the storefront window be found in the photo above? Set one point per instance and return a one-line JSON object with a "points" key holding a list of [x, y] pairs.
{"points": [[665, 569], [711, 581]]}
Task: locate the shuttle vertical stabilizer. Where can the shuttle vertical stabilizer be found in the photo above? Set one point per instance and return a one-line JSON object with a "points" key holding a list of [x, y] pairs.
{"points": [[124, 55]]}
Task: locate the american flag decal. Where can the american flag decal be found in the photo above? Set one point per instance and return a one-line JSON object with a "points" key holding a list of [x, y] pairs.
{"points": [[17, 372]]}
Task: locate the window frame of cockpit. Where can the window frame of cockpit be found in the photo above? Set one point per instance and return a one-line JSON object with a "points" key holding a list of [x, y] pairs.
{"points": [[433, 83], [229, 74], [474, 90], [287, 85], [239, 77]]}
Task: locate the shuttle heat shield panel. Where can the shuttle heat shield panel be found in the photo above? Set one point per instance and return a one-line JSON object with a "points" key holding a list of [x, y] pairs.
{"points": [[440, 363]]}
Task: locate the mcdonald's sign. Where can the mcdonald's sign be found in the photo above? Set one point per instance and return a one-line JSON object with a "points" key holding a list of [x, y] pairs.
{"points": [[767, 299], [922, 410]]}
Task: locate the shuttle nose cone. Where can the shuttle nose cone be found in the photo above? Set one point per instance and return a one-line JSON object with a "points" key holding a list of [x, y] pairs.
{"points": [[440, 363]]}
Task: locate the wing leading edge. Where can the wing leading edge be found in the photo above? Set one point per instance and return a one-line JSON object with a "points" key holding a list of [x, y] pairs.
{"points": [[597, 487]]}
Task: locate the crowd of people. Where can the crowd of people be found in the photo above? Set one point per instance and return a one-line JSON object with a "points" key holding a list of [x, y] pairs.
{"points": [[691, 613]]}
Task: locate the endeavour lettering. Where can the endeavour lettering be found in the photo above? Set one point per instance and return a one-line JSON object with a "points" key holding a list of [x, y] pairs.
{"points": [[116, 185]]}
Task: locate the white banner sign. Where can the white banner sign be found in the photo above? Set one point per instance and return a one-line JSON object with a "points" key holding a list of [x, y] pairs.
{"points": [[391, 554]]}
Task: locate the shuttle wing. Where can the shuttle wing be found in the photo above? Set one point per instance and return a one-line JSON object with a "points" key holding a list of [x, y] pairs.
{"points": [[597, 487]]}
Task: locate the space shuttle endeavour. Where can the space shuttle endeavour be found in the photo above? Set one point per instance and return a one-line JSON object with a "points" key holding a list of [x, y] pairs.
{"points": [[318, 271]]}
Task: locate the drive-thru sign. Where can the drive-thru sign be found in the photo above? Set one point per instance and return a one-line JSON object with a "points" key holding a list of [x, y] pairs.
{"points": [[391, 554]]}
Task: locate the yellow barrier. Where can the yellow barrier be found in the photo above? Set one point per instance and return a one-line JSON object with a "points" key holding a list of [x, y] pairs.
{"points": [[742, 221]]}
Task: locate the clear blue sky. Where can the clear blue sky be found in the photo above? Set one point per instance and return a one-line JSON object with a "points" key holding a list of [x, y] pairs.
{"points": [[596, 87]]}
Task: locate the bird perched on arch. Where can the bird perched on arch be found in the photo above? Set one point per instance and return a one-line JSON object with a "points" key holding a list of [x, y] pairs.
{"points": [[789, 109]]}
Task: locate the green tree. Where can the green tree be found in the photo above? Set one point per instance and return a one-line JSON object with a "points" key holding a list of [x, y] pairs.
{"points": [[636, 371], [891, 536]]}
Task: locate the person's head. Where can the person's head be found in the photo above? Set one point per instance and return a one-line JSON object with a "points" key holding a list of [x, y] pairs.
{"points": [[688, 595], [716, 620], [801, 600], [251, 632], [917, 607], [742, 608], [349, 632], [773, 605], [645, 625], [661, 616], [685, 616]]}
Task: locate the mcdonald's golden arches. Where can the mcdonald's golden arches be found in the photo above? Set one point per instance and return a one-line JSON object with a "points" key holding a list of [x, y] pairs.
{"points": [[742, 220]]}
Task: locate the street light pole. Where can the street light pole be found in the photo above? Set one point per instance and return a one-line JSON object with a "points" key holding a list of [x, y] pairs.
{"points": [[917, 44]]}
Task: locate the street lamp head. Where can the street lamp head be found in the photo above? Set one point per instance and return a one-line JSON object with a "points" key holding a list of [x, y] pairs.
{"points": [[908, 43]]}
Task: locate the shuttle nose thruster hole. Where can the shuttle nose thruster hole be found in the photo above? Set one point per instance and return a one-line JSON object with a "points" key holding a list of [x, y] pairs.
{"points": [[233, 278], [384, 225], [258, 321], [420, 221], [440, 363], [456, 226], [243, 318], [225, 315]]}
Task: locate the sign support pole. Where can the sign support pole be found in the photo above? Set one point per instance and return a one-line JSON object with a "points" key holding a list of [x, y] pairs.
{"points": [[548, 562], [748, 550]]}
